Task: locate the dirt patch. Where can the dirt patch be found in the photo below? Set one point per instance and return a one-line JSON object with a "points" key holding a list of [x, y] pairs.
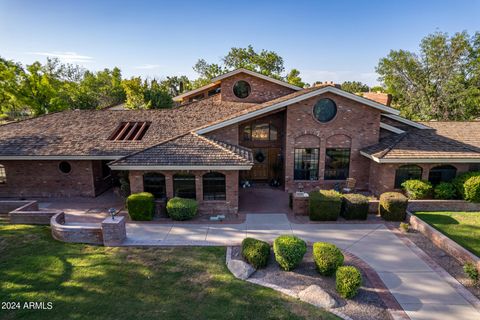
{"points": [[366, 305]]}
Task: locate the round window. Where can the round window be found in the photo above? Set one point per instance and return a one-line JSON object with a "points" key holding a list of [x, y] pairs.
{"points": [[241, 89], [324, 110], [65, 167]]}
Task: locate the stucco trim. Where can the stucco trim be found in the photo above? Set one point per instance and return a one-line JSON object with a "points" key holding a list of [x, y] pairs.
{"points": [[398, 118], [421, 160], [183, 168], [60, 157], [391, 128]]}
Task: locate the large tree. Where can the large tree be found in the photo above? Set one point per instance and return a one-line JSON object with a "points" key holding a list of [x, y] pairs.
{"points": [[355, 86], [441, 82]]}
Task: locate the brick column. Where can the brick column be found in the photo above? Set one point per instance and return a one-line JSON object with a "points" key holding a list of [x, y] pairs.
{"points": [[114, 231], [169, 184], [136, 181], [300, 204]]}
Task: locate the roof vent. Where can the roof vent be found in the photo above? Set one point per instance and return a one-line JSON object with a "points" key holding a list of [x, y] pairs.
{"points": [[130, 131]]}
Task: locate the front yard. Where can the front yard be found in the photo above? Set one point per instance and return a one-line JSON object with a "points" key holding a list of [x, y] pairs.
{"points": [[92, 282], [461, 227]]}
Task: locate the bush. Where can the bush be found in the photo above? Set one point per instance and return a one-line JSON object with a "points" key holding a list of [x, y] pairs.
{"points": [[445, 191], [417, 189], [327, 258], [460, 180], [354, 206], [471, 271], [256, 252], [393, 206], [405, 227], [181, 209], [325, 205], [141, 206], [348, 281], [472, 189], [289, 251]]}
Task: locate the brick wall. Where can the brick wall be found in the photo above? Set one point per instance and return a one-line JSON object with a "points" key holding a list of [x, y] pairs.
{"points": [[227, 134], [77, 233], [29, 213]]}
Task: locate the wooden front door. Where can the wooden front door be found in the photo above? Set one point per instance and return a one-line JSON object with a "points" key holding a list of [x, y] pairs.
{"points": [[264, 164]]}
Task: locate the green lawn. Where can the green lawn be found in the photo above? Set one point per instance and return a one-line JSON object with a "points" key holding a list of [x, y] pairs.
{"points": [[91, 282], [462, 227]]}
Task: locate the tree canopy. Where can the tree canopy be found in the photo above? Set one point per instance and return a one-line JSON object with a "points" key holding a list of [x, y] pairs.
{"points": [[355, 86]]}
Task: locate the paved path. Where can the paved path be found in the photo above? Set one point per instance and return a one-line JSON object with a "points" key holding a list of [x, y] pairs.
{"points": [[422, 292]]}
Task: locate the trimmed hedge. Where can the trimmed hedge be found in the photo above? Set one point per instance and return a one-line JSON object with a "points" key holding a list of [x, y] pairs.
{"points": [[348, 280], [445, 191], [459, 182], [393, 206], [182, 209], [417, 189], [327, 258], [354, 206], [256, 252], [141, 206], [289, 251], [472, 189], [325, 205]]}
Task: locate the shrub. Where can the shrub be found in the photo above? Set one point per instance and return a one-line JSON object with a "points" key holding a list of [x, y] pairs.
{"points": [[325, 205], [417, 189], [354, 206], [182, 209], [393, 206], [141, 206], [348, 281], [327, 258], [289, 251], [471, 271], [256, 252], [472, 189], [460, 180], [405, 227], [445, 190]]}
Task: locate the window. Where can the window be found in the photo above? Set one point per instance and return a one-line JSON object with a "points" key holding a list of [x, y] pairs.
{"points": [[155, 184], [214, 187], [184, 186], [130, 131], [324, 110], [241, 89], [439, 174], [306, 164], [214, 91], [260, 132], [405, 173], [3, 175], [337, 163], [65, 167]]}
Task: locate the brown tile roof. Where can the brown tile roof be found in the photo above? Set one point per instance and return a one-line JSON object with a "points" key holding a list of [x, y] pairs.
{"points": [[189, 150], [467, 132]]}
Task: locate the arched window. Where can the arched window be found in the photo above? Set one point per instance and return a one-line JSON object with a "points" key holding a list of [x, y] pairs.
{"points": [[214, 186], [184, 186], [407, 172], [260, 132], [155, 184], [444, 173], [3, 175]]}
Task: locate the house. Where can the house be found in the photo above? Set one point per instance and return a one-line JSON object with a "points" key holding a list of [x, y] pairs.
{"points": [[243, 126]]}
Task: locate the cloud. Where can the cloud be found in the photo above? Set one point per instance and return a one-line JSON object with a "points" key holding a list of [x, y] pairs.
{"points": [[147, 67], [339, 76], [66, 56]]}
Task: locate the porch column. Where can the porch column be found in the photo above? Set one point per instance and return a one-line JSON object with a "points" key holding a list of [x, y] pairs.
{"points": [[169, 184], [136, 181]]}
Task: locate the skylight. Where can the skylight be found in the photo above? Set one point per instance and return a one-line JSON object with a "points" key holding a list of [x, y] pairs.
{"points": [[130, 131]]}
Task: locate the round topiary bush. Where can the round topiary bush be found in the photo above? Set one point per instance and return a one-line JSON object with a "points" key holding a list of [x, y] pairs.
{"points": [[327, 258], [459, 182], [181, 209], [472, 189], [256, 252], [141, 206], [348, 280], [445, 191], [417, 189], [289, 251], [354, 206], [393, 206]]}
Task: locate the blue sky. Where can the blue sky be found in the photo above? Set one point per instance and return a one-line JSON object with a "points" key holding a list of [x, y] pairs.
{"points": [[325, 40]]}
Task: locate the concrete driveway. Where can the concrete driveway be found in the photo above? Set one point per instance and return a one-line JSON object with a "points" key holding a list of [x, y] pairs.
{"points": [[421, 291]]}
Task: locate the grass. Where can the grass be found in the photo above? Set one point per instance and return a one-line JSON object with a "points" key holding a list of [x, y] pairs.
{"points": [[461, 227], [93, 282]]}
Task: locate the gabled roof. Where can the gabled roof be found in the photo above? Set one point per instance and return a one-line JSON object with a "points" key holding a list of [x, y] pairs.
{"points": [[189, 151]]}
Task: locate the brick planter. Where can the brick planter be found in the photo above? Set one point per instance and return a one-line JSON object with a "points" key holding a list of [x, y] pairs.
{"points": [[433, 205], [300, 204], [114, 231]]}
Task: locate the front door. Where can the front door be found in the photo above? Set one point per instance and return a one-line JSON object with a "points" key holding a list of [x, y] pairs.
{"points": [[259, 170]]}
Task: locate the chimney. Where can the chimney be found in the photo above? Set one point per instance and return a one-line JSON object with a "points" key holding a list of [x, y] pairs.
{"points": [[379, 97]]}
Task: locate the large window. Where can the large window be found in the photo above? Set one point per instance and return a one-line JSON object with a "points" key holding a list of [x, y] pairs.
{"points": [[306, 164], [407, 172], [439, 174], [214, 187], [241, 89], [155, 184], [337, 163], [324, 110], [184, 186], [260, 132], [3, 175]]}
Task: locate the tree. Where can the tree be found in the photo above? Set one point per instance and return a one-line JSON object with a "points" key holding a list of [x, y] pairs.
{"points": [[176, 85], [441, 82], [135, 93], [10, 74], [293, 77], [155, 96], [355, 86]]}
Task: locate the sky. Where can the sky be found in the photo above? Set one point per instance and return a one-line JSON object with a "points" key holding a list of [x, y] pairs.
{"points": [[326, 40]]}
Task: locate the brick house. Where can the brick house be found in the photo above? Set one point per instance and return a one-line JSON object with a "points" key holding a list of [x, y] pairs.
{"points": [[243, 126]]}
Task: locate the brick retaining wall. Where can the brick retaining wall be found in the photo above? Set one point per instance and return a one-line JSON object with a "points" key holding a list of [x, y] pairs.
{"points": [[26, 212], [433, 205], [78, 234]]}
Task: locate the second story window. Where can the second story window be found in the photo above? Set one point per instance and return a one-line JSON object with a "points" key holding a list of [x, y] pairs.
{"points": [[241, 89], [260, 132]]}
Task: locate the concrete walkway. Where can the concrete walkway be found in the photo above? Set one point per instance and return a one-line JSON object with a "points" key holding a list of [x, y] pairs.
{"points": [[422, 292]]}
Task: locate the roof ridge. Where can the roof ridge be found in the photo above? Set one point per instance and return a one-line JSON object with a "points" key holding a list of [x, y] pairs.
{"points": [[212, 142]]}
